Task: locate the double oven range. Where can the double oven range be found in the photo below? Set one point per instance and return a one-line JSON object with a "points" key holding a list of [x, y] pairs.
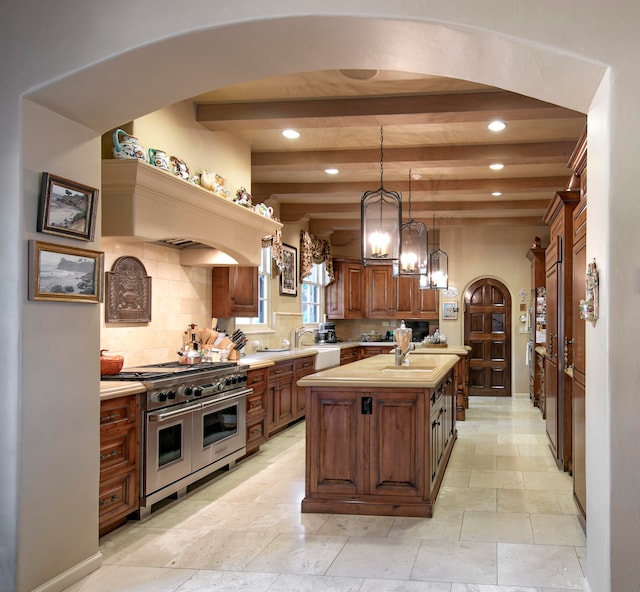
{"points": [[194, 423]]}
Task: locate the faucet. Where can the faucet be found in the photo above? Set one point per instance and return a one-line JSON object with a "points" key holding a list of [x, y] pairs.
{"points": [[297, 334], [402, 356]]}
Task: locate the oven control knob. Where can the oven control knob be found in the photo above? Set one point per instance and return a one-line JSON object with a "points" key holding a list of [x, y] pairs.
{"points": [[162, 397], [197, 392], [171, 395], [243, 378], [219, 385], [227, 381], [188, 391]]}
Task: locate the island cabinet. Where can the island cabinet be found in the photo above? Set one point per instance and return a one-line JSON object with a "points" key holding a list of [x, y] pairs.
{"points": [[256, 409], [377, 450], [119, 461], [234, 292], [345, 296]]}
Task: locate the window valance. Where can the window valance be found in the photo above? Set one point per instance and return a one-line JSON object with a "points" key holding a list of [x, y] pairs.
{"points": [[314, 250]]}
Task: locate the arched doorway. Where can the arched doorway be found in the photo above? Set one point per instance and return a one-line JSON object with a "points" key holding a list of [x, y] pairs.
{"points": [[487, 330]]}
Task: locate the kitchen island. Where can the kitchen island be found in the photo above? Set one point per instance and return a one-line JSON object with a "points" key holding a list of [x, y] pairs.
{"points": [[379, 436]]}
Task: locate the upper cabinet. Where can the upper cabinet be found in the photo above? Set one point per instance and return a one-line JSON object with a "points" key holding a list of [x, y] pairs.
{"points": [[234, 292], [143, 201], [373, 292]]}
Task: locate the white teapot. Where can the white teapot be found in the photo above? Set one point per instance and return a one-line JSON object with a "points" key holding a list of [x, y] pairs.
{"points": [[127, 146]]}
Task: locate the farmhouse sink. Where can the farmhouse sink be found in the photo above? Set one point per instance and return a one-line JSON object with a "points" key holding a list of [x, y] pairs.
{"points": [[327, 357]]}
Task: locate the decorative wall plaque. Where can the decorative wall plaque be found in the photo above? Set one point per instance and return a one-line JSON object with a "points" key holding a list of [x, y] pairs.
{"points": [[128, 292]]}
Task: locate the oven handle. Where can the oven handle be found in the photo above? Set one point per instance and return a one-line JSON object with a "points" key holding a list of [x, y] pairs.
{"points": [[226, 397], [161, 416]]}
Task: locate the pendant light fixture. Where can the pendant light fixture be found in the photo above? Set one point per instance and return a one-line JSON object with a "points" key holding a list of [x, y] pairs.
{"points": [[380, 222], [414, 258], [438, 267]]}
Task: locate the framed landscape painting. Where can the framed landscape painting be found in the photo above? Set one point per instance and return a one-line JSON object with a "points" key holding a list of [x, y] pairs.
{"points": [[65, 274], [67, 208]]}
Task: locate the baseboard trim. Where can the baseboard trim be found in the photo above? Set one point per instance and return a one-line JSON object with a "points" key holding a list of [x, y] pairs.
{"points": [[72, 575]]}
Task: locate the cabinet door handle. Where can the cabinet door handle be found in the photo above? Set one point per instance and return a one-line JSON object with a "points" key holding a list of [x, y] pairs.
{"points": [[109, 417], [367, 405], [110, 455]]}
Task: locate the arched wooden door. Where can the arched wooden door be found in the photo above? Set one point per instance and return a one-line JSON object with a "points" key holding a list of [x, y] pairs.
{"points": [[487, 330]]}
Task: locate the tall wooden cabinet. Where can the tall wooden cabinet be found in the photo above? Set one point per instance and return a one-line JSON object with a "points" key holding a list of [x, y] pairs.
{"points": [[559, 280], [536, 257], [575, 349]]}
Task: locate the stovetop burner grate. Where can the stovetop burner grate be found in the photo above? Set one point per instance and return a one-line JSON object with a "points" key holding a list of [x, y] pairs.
{"points": [[167, 370]]}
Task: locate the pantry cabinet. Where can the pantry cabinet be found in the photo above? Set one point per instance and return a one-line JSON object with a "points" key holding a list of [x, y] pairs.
{"points": [[559, 278], [119, 461], [234, 292]]}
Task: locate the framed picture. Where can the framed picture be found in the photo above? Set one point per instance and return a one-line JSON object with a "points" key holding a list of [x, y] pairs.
{"points": [[67, 208], [449, 310], [64, 274], [289, 272]]}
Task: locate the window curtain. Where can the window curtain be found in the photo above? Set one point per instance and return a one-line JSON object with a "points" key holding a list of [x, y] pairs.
{"points": [[314, 250]]}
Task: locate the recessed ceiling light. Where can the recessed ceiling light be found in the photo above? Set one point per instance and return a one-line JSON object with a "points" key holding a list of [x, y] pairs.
{"points": [[497, 126], [496, 166], [291, 134], [497, 193], [331, 171]]}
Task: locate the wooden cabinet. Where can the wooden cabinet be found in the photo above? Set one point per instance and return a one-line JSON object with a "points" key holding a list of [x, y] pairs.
{"points": [[345, 296], [234, 292], [256, 409], [280, 396], [349, 354], [559, 277], [391, 297], [372, 292], [575, 347], [119, 461], [302, 367], [538, 283], [379, 451], [368, 351]]}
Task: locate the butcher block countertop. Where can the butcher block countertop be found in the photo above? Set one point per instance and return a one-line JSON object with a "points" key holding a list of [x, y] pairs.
{"points": [[424, 371]]}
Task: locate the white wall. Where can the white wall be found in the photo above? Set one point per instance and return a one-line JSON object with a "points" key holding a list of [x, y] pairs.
{"points": [[549, 50]]}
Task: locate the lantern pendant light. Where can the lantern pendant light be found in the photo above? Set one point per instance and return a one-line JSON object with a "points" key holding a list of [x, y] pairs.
{"points": [[380, 222], [414, 258], [438, 267]]}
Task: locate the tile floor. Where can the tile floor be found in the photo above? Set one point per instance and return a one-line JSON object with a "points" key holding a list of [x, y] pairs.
{"points": [[504, 521]]}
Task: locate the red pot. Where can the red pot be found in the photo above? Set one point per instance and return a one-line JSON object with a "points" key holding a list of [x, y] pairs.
{"points": [[110, 364]]}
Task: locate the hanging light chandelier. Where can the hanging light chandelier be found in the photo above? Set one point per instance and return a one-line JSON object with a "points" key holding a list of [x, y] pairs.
{"points": [[414, 257], [380, 222], [438, 278]]}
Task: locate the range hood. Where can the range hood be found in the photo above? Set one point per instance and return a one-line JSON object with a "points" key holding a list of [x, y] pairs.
{"points": [[146, 203]]}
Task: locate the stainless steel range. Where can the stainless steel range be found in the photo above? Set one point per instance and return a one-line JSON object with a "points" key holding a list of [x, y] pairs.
{"points": [[194, 423]]}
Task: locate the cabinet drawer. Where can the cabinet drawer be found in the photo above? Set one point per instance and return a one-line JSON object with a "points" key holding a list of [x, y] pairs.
{"points": [[304, 364], [281, 369], [118, 412], [255, 403], [118, 449], [256, 433], [118, 497], [256, 378], [350, 354]]}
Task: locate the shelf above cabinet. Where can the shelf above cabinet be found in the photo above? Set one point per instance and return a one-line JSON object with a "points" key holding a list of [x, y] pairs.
{"points": [[144, 202]]}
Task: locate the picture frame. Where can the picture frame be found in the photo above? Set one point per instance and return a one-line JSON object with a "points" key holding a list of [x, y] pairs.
{"points": [[450, 310], [289, 271], [67, 208], [65, 274]]}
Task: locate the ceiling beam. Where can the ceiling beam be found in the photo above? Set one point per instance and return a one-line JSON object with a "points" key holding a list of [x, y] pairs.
{"points": [[423, 156], [386, 110], [262, 191]]}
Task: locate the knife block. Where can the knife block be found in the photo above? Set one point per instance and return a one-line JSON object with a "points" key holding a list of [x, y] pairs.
{"points": [[234, 354]]}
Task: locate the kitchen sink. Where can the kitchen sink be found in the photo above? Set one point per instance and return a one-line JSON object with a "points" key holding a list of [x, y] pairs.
{"points": [[327, 357], [408, 369]]}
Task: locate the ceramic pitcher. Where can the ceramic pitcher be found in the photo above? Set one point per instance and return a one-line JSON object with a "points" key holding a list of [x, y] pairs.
{"points": [[159, 158], [126, 146]]}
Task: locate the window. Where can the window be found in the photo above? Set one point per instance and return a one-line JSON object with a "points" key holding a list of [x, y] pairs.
{"points": [[312, 294], [263, 292]]}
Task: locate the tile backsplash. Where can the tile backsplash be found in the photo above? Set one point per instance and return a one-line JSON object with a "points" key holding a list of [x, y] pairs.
{"points": [[180, 295]]}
